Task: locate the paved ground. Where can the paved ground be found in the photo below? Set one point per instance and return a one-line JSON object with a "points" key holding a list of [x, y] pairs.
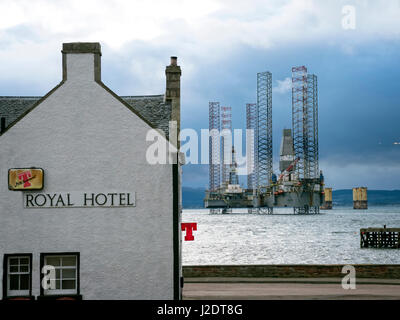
{"points": [[273, 288]]}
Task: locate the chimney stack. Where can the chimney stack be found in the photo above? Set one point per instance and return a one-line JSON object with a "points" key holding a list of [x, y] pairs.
{"points": [[173, 92], [81, 61]]}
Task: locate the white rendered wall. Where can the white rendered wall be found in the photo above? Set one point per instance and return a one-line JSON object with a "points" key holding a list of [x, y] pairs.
{"points": [[86, 140]]}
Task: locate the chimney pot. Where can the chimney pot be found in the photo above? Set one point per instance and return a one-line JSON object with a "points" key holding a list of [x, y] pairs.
{"points": [[174, 61]]}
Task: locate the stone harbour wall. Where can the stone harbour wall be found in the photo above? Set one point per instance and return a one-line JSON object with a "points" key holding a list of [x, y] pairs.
{"points": [[377, 271]]}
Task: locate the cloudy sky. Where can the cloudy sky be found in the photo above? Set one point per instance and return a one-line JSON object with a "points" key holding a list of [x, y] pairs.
{"points": [[352, 46]]}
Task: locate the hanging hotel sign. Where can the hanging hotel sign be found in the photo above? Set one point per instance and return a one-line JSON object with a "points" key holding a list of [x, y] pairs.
{"points": [[25, 179], [78, 199]]}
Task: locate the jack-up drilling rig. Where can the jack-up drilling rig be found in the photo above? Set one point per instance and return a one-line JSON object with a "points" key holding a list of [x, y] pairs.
{"points": [[300, 184]]}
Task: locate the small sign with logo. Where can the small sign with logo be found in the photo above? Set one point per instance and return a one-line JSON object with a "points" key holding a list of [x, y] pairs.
{"points": [[25, 179]]}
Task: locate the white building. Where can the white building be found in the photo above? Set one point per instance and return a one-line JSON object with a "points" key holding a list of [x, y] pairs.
{"points": [[106, 219]]}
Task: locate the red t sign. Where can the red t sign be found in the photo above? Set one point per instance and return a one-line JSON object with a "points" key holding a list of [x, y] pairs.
{"points": [[24, 176], [189, 227]]}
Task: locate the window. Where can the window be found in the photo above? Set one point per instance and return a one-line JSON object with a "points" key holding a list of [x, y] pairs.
{"points": [[66, 273], [17, 275]]}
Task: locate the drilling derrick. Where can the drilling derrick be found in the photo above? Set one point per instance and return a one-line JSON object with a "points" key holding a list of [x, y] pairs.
{"points": [[251, 127], [264, 130], [299, 117], [312, 101], [305, 122], [214, 147], [263, 155], [233, 177], [305, 134], [226, 142]]}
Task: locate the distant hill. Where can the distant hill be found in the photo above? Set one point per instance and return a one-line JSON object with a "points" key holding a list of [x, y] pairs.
{"points": [[192, 198], [375, 197]]}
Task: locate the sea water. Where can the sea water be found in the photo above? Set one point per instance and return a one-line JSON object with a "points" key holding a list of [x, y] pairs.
{"points": [[331, 237]]}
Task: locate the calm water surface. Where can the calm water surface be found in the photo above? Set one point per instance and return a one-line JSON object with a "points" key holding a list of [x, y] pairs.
{"points": [[329, 238]]}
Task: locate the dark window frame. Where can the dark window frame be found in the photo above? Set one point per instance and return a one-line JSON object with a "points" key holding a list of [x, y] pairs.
{"points": [[6, 257], [77, 295]]}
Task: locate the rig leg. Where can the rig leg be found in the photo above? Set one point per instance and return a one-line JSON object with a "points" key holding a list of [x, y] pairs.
{"points": [[265, 210], [215, 211], [306, 210]]}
